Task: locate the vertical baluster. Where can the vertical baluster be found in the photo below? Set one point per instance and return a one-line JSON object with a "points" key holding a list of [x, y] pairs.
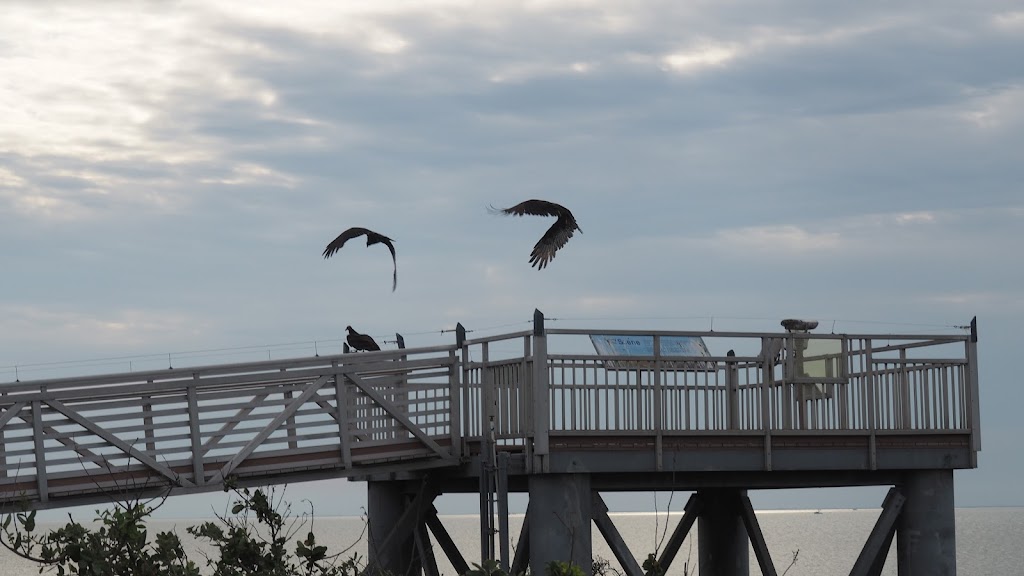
{"points": [[962, 397], [943, 378]]}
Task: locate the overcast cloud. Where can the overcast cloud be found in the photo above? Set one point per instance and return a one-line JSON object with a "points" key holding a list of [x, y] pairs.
{"points": [[170, 173]]}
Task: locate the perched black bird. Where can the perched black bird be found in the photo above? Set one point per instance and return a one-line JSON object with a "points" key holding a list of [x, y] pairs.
{"points": [[371, 239], [556, 236], [360, 341]]}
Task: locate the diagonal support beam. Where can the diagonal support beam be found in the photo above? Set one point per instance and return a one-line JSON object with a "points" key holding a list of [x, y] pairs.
{"points": [[11, 412], [872, 556], [82, 451], [599, 510], [397, 414], [223, 431], [333, 411], [425, 551], [521, 560], [690, 513], [311, 389], [764, 558], [120, 444], [451, 550]]}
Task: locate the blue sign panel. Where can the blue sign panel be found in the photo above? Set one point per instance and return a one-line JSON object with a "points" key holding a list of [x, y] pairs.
{"points": [[618, 345]]}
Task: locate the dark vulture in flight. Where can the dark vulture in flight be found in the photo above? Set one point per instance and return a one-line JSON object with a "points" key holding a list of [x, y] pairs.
{"points": [[360, 341], [371, 239], [556, 236]]}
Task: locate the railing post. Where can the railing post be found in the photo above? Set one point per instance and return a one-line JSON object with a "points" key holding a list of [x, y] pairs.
{"points": [[40, 449], [455, 385], [402, 390], [454, 404], [841, 400], [869, 384], [341, 402], [488, 410], [541, 396], [789, 373], [972, 390], [3, 448], [198, 475], [767, 381], [904, 396], [289, 425], [658, 403], [732, 385], [147, 421], [524, 394]]}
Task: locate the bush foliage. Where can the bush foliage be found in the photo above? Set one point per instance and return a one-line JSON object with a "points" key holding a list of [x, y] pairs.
{"points": [[253, 539]]}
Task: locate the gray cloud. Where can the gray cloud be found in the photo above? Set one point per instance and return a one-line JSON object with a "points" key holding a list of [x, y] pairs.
{"points": [[741, 161]]}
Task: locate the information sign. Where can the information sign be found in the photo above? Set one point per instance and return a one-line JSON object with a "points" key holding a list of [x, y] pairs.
{"points": [[621, 345]]}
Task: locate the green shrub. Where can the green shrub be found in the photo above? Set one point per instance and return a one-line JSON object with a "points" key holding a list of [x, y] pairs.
{"points": [[252, 539], [558, 568]]}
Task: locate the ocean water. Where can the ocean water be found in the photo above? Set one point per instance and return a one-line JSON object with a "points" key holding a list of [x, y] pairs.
{"points": [[990, 541]]}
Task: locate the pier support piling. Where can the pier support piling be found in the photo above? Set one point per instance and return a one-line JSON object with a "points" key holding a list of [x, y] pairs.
{"points": [[721, 536], [394, 516], [560, 520], [926, 529]]}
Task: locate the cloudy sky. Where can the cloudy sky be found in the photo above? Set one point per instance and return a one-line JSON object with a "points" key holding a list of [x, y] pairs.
{"points": [[171, 171]]}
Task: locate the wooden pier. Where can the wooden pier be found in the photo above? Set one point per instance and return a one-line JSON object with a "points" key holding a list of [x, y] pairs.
{"points": [[539, 411]]}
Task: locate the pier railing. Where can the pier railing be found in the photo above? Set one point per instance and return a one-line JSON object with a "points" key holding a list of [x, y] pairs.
{"points": [[64, 441], [191, 428], [752, 383]]}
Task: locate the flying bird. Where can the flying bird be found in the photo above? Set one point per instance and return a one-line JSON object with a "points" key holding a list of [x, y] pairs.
{"points": [[371, 239], [360, 341], [556, 236]]}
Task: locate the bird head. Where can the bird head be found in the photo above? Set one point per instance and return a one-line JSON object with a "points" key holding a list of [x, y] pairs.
{"points": [[349, 328]]}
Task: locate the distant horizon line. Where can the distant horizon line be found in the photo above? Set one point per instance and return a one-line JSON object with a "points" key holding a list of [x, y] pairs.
{"points": [[626, 513]]}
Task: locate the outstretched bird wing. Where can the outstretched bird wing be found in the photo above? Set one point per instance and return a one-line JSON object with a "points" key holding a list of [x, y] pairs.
{"points": [[345, 236], [534, 208], [552, 240], [374, 238], [556, 236], [371, 238]]}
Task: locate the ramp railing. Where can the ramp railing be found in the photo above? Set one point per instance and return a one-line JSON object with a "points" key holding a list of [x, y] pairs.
{"points": [[191, 428]]}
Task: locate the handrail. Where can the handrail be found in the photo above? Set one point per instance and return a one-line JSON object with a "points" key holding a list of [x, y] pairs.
{"points": [[739, 334], [211, 369]]}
